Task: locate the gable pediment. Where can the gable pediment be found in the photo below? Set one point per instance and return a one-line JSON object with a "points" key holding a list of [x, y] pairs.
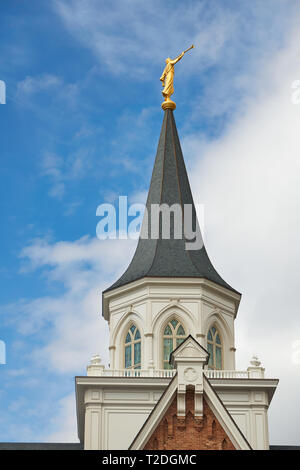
{"points": [[189, 349]]}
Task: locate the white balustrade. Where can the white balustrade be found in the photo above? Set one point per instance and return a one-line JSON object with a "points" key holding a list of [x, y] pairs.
{"points": [[226, 374], [160, 373], [169, 373]]}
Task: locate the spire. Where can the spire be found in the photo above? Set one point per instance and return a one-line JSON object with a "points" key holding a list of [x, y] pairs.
{"points": [[169, 185]]}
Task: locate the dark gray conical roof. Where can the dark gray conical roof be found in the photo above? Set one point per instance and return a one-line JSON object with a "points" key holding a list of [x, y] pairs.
{"points": [[169, 184]]}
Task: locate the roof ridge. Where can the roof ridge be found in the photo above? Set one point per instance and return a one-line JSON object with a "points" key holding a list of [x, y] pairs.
{"points": [[161, 188]]}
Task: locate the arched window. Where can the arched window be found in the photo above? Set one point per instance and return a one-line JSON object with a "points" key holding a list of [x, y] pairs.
{"points": [[174, 335], [214, 347], [133, 348]]}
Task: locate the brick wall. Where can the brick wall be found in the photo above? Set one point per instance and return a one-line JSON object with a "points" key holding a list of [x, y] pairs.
{"points": [[189, 433]]}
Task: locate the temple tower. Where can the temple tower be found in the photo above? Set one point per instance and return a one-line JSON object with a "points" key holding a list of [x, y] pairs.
{"points": [[172, 382], [170, 289]]}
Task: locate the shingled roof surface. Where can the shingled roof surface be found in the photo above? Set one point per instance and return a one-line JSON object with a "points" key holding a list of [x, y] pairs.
{"points": [[40, 446], [169, 185]]}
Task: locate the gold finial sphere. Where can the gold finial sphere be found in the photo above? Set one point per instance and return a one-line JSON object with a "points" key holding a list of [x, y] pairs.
{"points": [[169, 104]]}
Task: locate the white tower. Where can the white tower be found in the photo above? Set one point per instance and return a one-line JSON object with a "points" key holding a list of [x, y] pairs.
{"points": [[168, 291], [171, 295]]}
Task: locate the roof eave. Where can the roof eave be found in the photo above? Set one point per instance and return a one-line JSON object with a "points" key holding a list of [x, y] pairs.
{"points": [[107, 295]]}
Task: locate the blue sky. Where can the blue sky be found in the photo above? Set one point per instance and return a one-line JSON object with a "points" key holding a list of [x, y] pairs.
{"points": [[80, 127]]}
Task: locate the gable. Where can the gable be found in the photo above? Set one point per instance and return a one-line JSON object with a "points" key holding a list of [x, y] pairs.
{"points": [[189, 433], [189, 348], [178, 420]]}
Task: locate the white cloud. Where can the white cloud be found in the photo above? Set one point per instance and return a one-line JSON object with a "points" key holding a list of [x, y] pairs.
{"points": [[36, 84], [64, 422], [130, 39], [72, 207], [248, 180], [130, 35], [138, 197], [70, 323], [52, 167], [54, 88], [67, 327], [61, 170]]}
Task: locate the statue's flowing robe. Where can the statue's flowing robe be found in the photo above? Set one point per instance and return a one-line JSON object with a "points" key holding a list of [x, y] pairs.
{"points": [[168, 77]]}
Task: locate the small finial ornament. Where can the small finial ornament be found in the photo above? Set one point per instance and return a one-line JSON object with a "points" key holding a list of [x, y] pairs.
{"points": [[95, 368], [167, 80], [255, 362], [96, 360]]}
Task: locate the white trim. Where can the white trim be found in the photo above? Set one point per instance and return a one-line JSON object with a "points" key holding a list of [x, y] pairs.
{"points": [[155, 417], [159, 323], [229, 426], [168, 281], [120, 333], [227, 337]]}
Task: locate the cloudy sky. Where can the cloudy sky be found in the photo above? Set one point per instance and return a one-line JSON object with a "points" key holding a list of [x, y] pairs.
{"points": [[80, 127]]}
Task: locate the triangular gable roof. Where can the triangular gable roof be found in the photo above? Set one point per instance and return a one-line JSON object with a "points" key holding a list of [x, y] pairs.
{"points": [[189, 343], [226, 421], [224, 417]]}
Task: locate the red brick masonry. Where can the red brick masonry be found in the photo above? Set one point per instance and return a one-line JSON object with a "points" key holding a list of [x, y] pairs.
{"points": [[189, 433]]}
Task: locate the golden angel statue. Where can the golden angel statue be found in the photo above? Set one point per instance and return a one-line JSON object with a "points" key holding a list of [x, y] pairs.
{"points": [[167, 80]]}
